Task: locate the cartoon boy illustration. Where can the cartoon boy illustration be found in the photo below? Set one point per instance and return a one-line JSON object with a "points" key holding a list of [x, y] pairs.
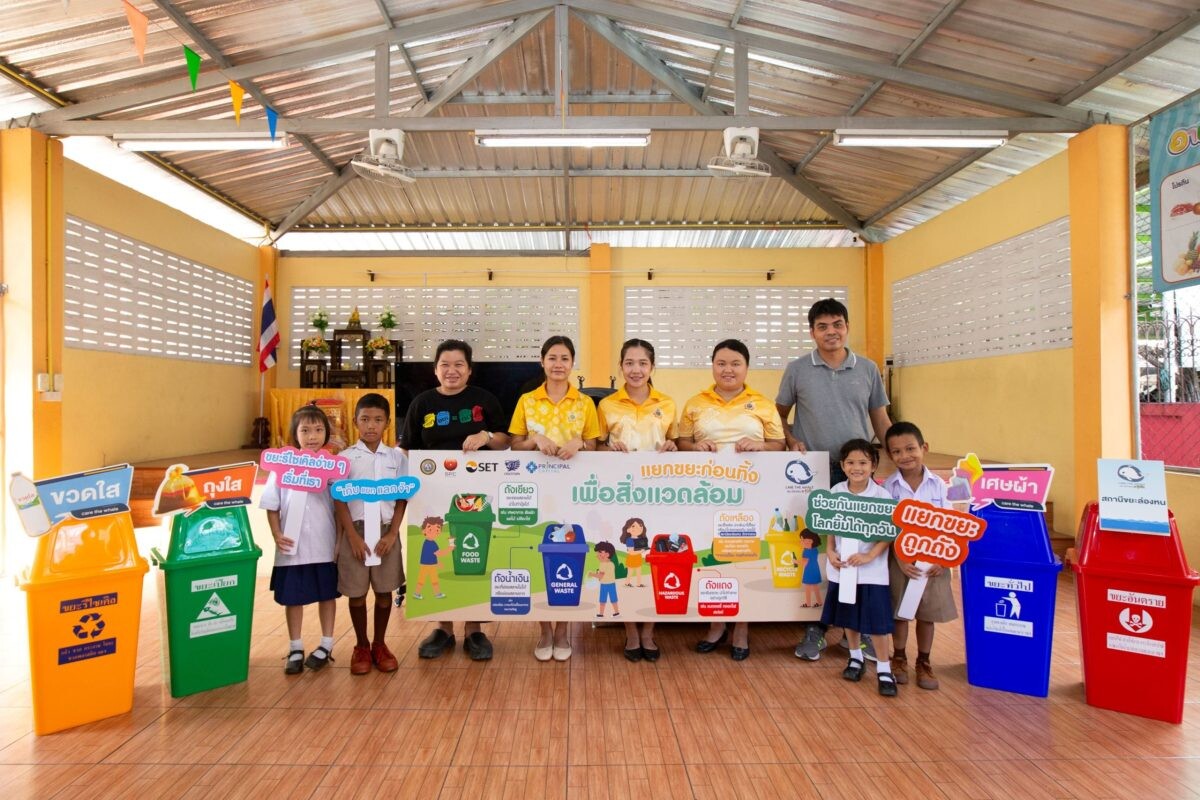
{"points": [[607, 573], [432, 529]]}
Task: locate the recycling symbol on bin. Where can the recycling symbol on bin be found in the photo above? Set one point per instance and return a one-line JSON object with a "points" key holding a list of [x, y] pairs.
{"points": [[563, 573], [788, 558], [90, 626], [470, 542], [671, 581]]}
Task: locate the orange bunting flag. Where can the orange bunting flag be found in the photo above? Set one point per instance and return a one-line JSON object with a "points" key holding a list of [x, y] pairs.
{"points": [[236, 93], [138, 23]]}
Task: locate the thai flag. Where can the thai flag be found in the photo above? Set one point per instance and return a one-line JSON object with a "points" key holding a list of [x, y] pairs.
{"points": [[268, 340]]}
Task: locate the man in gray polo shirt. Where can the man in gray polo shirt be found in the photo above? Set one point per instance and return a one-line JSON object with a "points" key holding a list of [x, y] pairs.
{"points": [[838, 397]]}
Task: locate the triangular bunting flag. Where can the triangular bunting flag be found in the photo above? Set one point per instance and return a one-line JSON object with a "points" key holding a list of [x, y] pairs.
{"points": [[193, 64], [138, 23], [236, 93], [272, 118]]}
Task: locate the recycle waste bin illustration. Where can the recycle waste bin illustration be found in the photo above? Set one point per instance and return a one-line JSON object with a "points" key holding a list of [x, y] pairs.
{"points": [[563, 550], [786, 564], [84, 598], [208, 588], [1135, 618], [1009, 589], [671, 560], [469, 523]]}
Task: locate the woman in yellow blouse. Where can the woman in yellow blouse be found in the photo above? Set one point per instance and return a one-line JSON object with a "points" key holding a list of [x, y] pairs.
{"points": [[637, 417], [555, 419], [729, 414]]}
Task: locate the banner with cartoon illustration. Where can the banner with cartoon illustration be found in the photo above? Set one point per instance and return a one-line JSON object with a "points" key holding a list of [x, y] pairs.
{"points": [[614, 536], [1175, 195]]}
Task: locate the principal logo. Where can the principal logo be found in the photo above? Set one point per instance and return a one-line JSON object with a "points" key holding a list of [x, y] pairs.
{"points": [[798, 472], [532, 467], [428, 466], [1136, 621]]}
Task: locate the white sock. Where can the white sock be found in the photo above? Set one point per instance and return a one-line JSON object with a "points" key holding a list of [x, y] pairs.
{"points": [[296, 645], [856, 655], [327, 643], [884, 670]]}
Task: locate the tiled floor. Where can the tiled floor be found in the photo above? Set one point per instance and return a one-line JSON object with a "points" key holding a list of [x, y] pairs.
{"points": [[596, 727]]}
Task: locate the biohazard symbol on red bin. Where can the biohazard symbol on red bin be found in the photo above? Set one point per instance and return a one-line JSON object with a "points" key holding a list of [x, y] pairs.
{"points": [[90, 626]]}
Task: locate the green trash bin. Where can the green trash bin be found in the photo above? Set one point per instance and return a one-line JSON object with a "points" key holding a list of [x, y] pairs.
{"points": [[207, 584], [469, 522]]}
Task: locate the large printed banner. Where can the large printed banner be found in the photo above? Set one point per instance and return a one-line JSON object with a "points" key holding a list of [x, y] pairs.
{"points": [[625, 537], [1175, 195]]}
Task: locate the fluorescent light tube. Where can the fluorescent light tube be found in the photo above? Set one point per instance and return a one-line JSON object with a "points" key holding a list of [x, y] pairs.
{"points": [[552, 138], [161, 143], [932, 138]]}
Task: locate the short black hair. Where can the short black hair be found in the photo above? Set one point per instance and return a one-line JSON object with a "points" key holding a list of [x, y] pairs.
{"points": [[903, 429], [565, 341], [736, 345], [827, 308], [374, 400], [859, 446], [308, 413], [453, 344]]}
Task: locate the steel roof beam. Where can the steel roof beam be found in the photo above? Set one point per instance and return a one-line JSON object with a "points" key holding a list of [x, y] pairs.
{"points": [[642, 57], [574, 99], [788, 47], [665, 122], [417, 28]]}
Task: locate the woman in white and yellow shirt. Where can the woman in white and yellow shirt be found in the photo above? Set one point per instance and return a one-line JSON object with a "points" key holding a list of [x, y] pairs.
{"points": [[556, 419], [729, 414], [637, 417]]}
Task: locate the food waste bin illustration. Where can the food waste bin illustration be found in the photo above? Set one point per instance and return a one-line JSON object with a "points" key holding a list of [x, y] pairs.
{"points": [[207, 587], [786, 564], [563, 550], [84, 598], [469, 523], [1135, 618], [1009, 589], [671, 560]]}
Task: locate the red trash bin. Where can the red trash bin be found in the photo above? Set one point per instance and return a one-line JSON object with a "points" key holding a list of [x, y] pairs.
{"points": [[671, 559], [1135, 618]]}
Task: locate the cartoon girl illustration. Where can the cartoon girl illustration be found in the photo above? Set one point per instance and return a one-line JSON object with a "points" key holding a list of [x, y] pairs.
{"points": [[637, 544], [812, 570], [607, 573]]}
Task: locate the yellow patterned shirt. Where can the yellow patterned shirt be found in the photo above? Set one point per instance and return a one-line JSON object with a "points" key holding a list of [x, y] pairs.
{"points": [[638, 427], [750, 415], [574, 415]]}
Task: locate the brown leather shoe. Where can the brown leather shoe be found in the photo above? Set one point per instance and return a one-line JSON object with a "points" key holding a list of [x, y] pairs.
{"points": [[383, 658], [925, 677], [900, 669], [360, 661]]}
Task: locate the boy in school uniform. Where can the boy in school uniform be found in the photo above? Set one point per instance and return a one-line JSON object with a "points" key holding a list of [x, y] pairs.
{"points": [[370, 458], [912, 480]]}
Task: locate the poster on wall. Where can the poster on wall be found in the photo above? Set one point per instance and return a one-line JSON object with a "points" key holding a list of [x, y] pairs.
{"points": [[1175, 195], [614, 536]]}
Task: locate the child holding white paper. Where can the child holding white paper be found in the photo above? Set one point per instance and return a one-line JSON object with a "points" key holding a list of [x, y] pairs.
{"points": [[864, 563], [907, 448], [369, 551], [304, 571]]}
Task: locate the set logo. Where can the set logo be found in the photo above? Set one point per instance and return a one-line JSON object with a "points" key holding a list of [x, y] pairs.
{"points": [[428, 466], [1128, 472], [1136, 621], [450, 464], [798, 472], [475, 466], [671, 581], [563, 573]]}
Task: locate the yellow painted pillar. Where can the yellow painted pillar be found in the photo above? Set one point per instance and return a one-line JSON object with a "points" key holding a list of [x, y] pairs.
{"points": [[1101, 308], [268, 263], [601, 359], [873, 254]]}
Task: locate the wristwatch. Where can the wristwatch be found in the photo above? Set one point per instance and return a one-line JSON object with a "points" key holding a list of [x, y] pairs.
{"points": [[490, 435]]}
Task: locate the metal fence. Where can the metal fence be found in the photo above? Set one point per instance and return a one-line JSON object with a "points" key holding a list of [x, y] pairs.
{"points": [[1169, 389]]}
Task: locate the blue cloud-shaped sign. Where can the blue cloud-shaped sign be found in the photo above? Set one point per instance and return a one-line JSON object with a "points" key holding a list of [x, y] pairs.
{"points": [[372, 491]]}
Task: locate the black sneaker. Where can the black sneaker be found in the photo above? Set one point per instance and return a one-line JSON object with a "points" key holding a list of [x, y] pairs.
{"points": [[814, 642]]}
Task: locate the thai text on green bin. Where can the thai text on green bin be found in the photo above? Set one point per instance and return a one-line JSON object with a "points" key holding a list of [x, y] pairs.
{"points": [[471, 531], [208, 588]]}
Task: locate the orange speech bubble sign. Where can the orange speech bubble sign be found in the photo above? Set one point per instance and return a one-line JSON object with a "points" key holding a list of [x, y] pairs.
{"points": [[933, 534]]}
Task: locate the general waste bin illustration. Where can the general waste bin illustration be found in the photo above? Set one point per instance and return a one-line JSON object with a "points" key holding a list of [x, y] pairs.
{"points": [[563, 550], [671, 560], [1135, 618], [84, 599], [1009, 588], [786, 564], [208, 589], [469, 522]]}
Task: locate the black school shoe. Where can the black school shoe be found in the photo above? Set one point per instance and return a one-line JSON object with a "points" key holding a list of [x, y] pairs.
{"points": [[295, 663], [435, 644], [887, 684], [477, 645], [317, 663], [853, 671]]}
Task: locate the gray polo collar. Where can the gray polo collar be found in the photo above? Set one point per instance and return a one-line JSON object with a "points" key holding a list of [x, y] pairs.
{"points": [[849, 363]]}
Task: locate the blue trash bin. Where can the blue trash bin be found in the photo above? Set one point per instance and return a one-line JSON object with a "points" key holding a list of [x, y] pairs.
{"points": [[563, 550], [1009, 587]]}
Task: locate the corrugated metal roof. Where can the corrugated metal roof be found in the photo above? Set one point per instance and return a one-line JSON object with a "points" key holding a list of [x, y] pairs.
{"points": [[1030, 48]]}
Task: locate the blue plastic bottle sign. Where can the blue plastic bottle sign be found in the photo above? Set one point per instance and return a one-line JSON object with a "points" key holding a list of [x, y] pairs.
{"points": [[373, 492], [1133, 496], [510, 592], [82, 495]]}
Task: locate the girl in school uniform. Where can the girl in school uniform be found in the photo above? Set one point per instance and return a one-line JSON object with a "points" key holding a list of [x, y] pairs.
{"points": [[871, 611]]}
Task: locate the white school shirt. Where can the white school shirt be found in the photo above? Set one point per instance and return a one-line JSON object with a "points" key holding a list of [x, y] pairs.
{"points": [[875, 571], [386, 462], [318, 533], [931, 489]]}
